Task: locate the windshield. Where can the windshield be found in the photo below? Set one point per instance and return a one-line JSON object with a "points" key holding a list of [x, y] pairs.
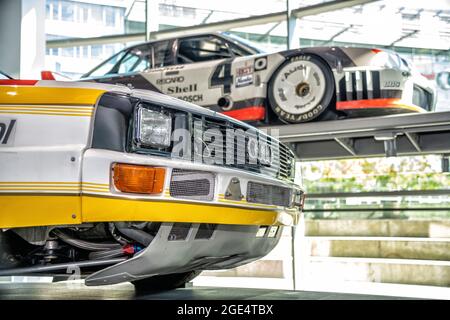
{"points": [[105, 67], [243, 42]]}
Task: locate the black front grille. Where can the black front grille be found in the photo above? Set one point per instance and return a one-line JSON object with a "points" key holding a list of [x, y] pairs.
{"points": [[281, 166], [268, 194]]}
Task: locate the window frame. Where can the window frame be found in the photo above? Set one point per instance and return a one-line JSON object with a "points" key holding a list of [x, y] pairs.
{"points": [[90, 72], [170, 51], [115, 68], [178, 42]]}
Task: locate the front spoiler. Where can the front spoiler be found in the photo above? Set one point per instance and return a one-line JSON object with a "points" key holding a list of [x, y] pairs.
{"points": [[230, 246]]}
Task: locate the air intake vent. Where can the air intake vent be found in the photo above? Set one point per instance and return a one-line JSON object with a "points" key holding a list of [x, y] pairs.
{"points": [[179, 231], [268, 194], [193, 185], [205, 231]]}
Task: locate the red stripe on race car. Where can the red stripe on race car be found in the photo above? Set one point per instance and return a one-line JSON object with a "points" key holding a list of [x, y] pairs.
{"points": [[14, 82], [391, 103], [252, 113]]}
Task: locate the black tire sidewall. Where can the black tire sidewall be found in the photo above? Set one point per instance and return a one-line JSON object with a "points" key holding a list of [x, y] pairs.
{"points": [[325, 102]]}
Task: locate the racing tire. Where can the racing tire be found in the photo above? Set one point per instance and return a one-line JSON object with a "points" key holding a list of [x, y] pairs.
{"points": [[164, 282], [303, 89]]}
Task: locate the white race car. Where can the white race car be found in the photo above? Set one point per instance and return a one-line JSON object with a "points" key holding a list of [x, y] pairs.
{"points": [[112, 184], [226, 74]]}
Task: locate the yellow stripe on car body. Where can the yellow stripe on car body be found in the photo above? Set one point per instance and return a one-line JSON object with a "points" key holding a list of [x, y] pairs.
{"points": [[24, 210], [35, 95]]}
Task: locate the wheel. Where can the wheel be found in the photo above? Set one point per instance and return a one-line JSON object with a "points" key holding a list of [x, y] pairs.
{"points": [[165, 282], [302, 89]]}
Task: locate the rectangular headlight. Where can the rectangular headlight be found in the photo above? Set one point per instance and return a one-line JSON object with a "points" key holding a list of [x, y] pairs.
{"points": [[154, 128]]}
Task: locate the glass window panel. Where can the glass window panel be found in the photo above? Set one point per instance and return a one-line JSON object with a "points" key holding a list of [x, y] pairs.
{"points": [[138, 59], [106, 67], [47, 10], [110, 17], [202, 49], [55, 10], [162, 54], [85, 51], [97, 14], [67, 52], [67, 11], [96, 51]]}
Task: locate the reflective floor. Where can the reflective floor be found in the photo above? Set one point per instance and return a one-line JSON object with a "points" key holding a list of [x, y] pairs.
{"points": [[78, 291]]}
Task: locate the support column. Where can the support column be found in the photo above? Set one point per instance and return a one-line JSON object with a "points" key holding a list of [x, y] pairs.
{"points": [[293, 38], [151, 18], [22, 37]]}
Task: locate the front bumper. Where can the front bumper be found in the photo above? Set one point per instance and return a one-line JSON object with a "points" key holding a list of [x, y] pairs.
{"points": [[230, 246], [101, 202]]}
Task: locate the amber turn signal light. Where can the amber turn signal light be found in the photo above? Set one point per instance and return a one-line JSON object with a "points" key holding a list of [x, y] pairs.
{"points": [[138, 179]]}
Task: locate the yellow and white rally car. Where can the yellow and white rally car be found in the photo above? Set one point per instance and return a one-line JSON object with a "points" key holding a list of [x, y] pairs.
{"points": [[132, 185]]}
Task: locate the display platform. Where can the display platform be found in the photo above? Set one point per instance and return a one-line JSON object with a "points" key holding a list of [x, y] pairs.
{"points": [[78, 291]]}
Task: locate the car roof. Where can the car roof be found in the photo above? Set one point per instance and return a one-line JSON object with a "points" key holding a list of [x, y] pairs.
{"points": [[199, 34]]}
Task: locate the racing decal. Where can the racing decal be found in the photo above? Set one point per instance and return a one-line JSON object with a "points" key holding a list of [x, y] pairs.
{"points": [[222, 77], [53, 187], [392, 84], [244, 76], [260, 64], [48, 110], [171, 80], [7, 131], [300, 117], [182, 89], [253, 113], [193, 98], [169, 69], [335, 57], [360, 85]]}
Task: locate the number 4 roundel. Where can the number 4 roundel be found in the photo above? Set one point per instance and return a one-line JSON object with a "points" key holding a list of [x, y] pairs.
{"points": [[222, 77]]}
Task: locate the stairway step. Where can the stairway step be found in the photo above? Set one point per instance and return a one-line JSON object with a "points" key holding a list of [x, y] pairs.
{"points": [[400, 271], [373, 288], [380, 247], [256, 269], [378, 228]]}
